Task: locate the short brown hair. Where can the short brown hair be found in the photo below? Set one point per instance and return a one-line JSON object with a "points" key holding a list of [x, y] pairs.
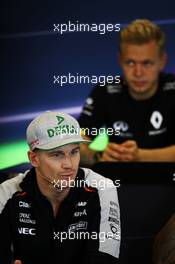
{"points": [[141, 31]]}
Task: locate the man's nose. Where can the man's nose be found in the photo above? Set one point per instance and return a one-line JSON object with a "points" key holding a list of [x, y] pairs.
{"points": [[67, 162], [138, 70]]}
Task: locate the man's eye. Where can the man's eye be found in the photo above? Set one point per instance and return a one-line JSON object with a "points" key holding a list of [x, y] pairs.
{"points": [[129, 63], [147, 63], [75, 151], [56, 155]]}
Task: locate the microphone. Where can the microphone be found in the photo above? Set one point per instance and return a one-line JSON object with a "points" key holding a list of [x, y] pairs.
{"points": [[53, 182]]}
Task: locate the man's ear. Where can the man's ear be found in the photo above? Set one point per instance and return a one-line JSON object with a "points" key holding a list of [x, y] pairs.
{"points": [[33, 158], [163, 58]]}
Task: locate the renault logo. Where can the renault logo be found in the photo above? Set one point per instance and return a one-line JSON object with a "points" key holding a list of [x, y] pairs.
{"points": [[156, 119]]}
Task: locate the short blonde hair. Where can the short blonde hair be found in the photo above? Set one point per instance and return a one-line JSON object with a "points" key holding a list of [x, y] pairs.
{"points": [[141, 31]]}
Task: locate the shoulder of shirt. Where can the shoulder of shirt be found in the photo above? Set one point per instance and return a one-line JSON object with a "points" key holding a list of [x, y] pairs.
{"points": [[91, 177], [167, 82], [9, 187]]}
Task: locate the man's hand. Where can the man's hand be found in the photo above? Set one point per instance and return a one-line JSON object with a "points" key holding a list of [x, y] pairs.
{"points": [[127, 151], [17, 262]]}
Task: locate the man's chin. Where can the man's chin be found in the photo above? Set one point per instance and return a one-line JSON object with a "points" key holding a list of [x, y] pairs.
{"points": [[64, 183], [60, 189], [139, 89]]}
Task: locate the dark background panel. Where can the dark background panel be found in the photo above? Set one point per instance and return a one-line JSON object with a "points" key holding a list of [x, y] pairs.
{"points": [[32, 53]]}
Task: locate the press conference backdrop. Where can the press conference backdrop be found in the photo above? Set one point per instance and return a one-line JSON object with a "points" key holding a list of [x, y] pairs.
{"points": [[32, 53]]}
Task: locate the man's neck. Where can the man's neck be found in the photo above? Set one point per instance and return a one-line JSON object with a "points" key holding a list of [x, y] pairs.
{"points": [[143, 96], [54, 195], [56, 198]]}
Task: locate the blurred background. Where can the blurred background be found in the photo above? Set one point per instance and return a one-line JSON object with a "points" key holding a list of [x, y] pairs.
{"points": [[31, 53]]}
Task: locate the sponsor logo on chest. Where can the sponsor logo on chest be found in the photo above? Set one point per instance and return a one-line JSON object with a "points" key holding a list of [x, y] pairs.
{"points": [[25, 217], [27, 231], [123, 127], [156, 120]]}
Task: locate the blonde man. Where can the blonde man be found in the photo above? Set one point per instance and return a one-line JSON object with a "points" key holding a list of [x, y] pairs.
{"points": [[140, 110]]}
